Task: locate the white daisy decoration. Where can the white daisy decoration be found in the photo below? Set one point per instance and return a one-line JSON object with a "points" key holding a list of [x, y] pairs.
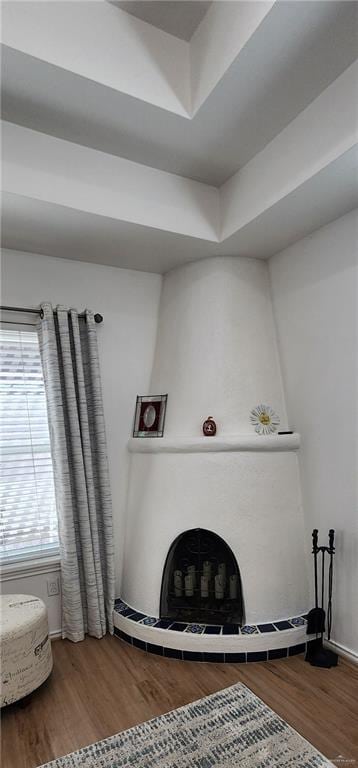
{"points": [[264, 419]]}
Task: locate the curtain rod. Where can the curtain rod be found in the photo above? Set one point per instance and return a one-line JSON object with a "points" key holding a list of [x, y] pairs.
{"points": [[97, 318]]}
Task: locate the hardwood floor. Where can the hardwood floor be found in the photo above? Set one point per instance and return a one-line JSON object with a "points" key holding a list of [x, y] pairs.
{"points": [[100, 687]]}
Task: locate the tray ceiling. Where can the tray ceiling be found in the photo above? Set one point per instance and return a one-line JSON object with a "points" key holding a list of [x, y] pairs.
{"points": [[128, 146], [178, 18]]}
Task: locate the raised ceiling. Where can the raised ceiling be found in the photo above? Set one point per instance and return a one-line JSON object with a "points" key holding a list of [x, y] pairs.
{"points": [[297, 50], [178, 18], [128, 146]]}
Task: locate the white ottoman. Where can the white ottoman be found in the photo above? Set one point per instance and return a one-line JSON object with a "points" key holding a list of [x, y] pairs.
{"points": [[26, 657]]}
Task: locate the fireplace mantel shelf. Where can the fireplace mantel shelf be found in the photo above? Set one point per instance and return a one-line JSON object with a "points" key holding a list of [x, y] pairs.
{"points": [[214, 444]]}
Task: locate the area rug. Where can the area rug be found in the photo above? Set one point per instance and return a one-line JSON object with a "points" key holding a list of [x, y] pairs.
{"points": [[230, 728]]}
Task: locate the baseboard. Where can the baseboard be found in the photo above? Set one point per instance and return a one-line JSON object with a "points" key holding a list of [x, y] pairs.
{"points": [[56, 634], [342, 650]]}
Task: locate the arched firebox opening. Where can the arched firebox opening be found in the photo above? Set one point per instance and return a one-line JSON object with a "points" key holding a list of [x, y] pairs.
{"points": [[201, 581]]}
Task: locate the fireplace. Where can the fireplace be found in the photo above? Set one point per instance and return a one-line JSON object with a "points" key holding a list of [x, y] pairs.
{"points": [[201, 580], [243, 486]]}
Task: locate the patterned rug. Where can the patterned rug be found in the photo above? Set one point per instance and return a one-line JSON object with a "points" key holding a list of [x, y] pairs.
{"points": [[230, 728]]}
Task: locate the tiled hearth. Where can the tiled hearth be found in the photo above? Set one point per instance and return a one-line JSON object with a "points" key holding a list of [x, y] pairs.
{"points": [[205, 642]]}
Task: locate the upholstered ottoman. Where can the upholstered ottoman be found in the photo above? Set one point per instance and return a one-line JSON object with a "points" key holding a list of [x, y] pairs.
{"points": [[26, 657]]}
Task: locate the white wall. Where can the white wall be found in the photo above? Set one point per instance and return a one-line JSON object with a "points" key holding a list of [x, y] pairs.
{"points": [[129, 302], [314, 288]]}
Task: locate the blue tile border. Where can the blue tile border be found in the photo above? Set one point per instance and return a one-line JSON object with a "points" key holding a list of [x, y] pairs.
{"points": [[230, 629], [298, 621], [138, 616], [215, 657], [235, 658], [177, 626], [123, 635], [212, 629], [172, 653], [157, 649], [149, 621], [139, 644], [163, 624], [195, 629], [294, 650], [249, 629], [266, 627], [277, 653], [209, 629], [123, 609], [281, 625], [127, 612], [192, 656], [119, 605], [256, 656]]}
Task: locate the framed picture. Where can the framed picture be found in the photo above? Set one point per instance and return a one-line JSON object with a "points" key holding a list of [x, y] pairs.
{"points": [[150, 416]]}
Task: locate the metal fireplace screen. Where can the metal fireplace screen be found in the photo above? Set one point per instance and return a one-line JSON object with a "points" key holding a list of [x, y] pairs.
{"points": [[201, 580]]}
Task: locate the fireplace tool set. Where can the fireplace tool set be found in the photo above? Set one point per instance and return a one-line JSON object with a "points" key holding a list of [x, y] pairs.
{"points": [[316, 654]]}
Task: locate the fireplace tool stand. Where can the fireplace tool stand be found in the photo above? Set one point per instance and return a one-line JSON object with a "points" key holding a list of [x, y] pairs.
{"points": [[317, 655]]}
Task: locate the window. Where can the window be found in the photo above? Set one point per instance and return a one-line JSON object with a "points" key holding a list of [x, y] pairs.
{"points": [[28, 520]]}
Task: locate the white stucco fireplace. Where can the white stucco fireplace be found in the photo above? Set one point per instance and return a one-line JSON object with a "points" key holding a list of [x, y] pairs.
{"points": [[216, 354]]}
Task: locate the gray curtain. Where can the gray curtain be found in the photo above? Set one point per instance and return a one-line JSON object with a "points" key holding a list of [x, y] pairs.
{"points": [[69, 353]]}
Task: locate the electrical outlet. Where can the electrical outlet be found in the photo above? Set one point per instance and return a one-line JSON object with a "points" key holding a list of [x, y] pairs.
{"points": [[53, 587]]}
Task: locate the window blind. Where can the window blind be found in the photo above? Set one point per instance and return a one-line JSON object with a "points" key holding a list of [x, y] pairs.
{"points": [[28, 520]]}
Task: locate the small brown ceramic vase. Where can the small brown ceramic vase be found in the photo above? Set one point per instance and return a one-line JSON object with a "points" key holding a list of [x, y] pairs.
{"points": [[209, 427]]}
